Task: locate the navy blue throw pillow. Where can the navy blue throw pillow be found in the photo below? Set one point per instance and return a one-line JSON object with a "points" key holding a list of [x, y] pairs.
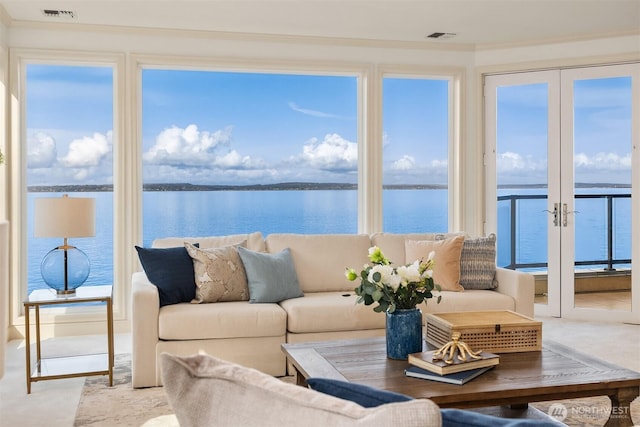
{"points": [[369, 397], [171, 271], [361, 394]]}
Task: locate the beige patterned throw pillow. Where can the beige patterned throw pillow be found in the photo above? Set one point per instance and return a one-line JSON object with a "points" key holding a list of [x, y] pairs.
{"points": [[219, 274]]}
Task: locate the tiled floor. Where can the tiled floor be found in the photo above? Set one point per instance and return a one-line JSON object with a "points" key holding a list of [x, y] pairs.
{"points": [[53, 403]]}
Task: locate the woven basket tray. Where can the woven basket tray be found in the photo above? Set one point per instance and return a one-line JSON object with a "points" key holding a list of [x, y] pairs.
{"points": [[492, 331]]}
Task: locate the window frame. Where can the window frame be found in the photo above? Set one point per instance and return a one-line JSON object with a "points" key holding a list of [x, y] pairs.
{"points": [[127, 154], [455, 167], [19, 59], [356, 71]]}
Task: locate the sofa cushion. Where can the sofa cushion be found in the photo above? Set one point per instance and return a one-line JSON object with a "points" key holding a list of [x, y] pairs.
{"points": [[236, 319], [321, 259], [471, 300], [271, 277], [446, 271], [171, 271], [255, 241], [330, 312], [219, 274], [478, 263], [203, 390]]}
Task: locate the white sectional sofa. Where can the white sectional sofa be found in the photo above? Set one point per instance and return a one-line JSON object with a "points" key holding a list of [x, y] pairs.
{"points": [[251, 334]]}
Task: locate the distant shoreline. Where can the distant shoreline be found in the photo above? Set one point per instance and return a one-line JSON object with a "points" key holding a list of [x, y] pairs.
{"points": [[283, 186]]}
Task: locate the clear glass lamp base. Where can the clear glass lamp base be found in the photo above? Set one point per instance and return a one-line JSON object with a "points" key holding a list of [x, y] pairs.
{"points": [[65, 269]]}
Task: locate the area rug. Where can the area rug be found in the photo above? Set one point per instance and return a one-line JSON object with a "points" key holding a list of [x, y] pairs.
{"points": [[121, 405]]}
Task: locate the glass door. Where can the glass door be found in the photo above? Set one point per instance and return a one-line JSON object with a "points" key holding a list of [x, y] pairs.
{"points": [[521, 156], [561, 159], [598, 140]]}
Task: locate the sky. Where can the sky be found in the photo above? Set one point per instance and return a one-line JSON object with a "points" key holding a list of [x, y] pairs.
{"points": [[204, 127], [602, 132]]}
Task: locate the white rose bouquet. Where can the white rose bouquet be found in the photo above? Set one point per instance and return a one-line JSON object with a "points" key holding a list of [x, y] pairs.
{"points": [[391, 287]]}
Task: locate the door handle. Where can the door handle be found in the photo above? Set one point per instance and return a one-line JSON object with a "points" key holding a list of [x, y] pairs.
{"points": [[555, 214], [566, 212]]}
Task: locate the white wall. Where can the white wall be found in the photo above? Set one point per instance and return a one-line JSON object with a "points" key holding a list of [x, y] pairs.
{"points": [[4, 226], [4, 290]]}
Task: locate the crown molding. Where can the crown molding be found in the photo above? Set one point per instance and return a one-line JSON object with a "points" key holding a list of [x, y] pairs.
{"points": [[560, 40], [243, 37], [426, 45]]}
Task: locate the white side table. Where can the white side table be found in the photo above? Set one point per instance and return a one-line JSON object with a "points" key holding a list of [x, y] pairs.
{"points": [[72, 366]]}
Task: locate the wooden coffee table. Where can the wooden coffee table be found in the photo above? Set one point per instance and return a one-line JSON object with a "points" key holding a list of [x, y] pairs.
{"points": [[557, 372]]}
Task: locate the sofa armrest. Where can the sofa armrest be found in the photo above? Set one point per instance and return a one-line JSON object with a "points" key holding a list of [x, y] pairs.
{"points": [[145, 308], [518, 285]]}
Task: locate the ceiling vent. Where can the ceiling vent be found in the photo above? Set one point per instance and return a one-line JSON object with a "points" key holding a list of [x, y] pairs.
{"points": [[54, 13], [441, 35]]}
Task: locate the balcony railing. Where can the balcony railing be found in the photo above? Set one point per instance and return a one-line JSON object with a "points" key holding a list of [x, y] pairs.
{"points": [[514, 241]]}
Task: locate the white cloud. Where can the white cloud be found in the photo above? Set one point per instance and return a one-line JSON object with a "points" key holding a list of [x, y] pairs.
{"points": [[41, 151], [89, 151], [406, 162], [187, 146], [509, 162], [190, 147], [314, 113], [333, 153], [409, 170], [88, 159], [603, 161], [233, 160], [599, 167]]}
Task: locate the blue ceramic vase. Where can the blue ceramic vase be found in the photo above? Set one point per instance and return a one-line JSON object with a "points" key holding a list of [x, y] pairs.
{"points": [[404, 333]]}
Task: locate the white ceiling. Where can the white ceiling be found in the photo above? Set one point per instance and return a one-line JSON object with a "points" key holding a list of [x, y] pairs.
{"points": [[476, 22]]}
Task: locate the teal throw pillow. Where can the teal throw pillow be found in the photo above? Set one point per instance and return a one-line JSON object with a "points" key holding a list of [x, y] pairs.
{"points": [[270, 277]]}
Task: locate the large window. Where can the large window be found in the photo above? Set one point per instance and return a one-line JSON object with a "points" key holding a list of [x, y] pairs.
{"points": [[231, 152], [415, 154], [69, 122], [216, 153]]}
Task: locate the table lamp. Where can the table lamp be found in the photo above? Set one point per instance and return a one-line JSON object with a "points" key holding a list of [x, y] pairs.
{"points": [[65, 267]]}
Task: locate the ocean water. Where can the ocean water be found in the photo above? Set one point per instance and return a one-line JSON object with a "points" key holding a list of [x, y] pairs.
{"points": [[591, 231], [210, 213]]}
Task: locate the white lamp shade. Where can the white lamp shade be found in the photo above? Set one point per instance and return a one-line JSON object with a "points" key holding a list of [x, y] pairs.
{"points": [[64, 217]]}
